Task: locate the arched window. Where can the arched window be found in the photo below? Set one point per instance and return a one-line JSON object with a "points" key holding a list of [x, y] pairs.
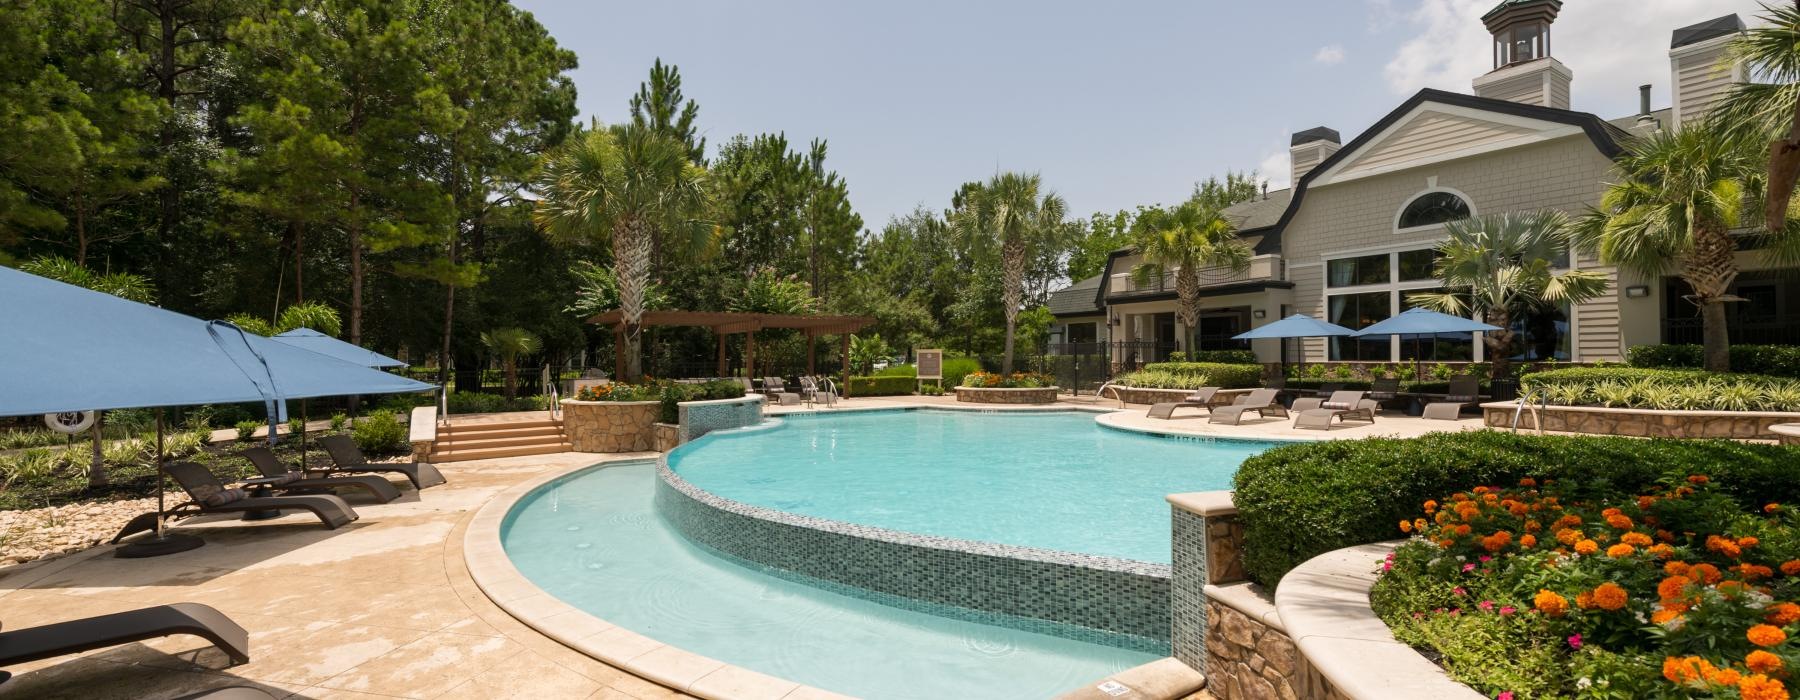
{"points": [[1433, 208]]}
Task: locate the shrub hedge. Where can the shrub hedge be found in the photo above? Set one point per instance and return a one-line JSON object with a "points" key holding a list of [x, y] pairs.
{"points": [[673, 393], [378, 432], [1189, 375], [884, 386], [1773, 360], [1230, 357], [1664, 389], [1298, 501]]}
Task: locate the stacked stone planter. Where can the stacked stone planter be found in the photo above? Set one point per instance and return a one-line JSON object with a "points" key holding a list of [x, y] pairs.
{"points": [[610, 426], [668, 436], [971, 394], [1640, 422]]}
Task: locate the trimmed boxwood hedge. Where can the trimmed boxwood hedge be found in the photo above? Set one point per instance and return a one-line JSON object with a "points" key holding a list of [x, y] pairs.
{"points": [[1299, 501], [1230, 357], [882, 386], [1773, 360]]}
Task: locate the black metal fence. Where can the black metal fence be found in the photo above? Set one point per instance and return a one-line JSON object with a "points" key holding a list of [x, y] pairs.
{"points": [[1744, 330]]}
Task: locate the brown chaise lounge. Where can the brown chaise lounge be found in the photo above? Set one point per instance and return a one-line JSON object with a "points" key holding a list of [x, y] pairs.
{"points": [[59, 638], [295, 482], [1201, 398], [211, 496], [1465, 390], [348, 459], [1342, 406], [1262, 401]]}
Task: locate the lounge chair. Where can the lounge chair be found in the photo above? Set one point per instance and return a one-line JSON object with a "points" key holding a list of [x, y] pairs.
{"points": [[210, 495], [1385, 390], [777, 392], [1325, 390], [295, 482], [345, 457], [1262, 401], [1342, 406], [232, 692], [1465, 391], [59, 638], [1340, 397], [1201, 398]]}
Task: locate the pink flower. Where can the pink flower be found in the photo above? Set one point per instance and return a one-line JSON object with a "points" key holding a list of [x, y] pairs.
{"points": [[1486, 605], [1508, 610], [1504, 696], [1575, 641], [1468, 567], [1485, 559], [1455, 612], [1459, 591], [1387, 566]]}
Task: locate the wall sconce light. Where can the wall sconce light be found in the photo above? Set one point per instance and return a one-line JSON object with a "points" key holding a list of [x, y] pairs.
{"points": [[1113, 320], [1637, 291], [1259, 313]]}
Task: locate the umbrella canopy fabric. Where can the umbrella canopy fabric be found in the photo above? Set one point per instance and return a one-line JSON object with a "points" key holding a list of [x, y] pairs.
{"points": [[309, 339], [1296, 326], [1418, 321], [73, 349]]}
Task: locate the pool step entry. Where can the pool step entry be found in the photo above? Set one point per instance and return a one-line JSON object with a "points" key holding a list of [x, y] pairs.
{"points": [[457, 443]]}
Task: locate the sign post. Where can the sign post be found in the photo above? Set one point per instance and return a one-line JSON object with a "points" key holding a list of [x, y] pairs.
{"points": [[931, 366]]}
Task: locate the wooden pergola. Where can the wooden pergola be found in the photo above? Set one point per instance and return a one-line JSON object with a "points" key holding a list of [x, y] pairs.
{"points": [[727, 323]]}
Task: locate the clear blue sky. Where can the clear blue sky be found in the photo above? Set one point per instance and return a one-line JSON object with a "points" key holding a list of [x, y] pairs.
{"points": [[1116, 104]]}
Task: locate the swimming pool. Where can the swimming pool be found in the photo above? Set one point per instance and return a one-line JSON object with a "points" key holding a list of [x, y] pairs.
{"points": [[1043, 479], [594, 540]]}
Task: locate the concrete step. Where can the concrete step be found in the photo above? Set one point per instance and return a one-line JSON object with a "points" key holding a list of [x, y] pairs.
{"points": [[463, 455], [500, 425], [482, 443], [466, 435]]}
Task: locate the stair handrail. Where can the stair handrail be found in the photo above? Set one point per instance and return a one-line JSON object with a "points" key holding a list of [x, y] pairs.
{"points": [[550, 389]]}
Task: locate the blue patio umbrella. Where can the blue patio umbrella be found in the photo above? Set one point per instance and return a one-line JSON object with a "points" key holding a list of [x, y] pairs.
{"points": [[70, 349], [309, 339], [1417, 323], [1295, 326]]}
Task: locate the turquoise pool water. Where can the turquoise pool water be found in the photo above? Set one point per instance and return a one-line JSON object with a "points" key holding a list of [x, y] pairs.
{"points": [[595, 541], [1048, 480]]}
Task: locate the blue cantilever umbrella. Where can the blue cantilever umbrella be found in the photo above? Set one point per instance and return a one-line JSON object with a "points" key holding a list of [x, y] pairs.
{"points": [[70, 349], [1418, 323], [1295, 326], [309, 339]]}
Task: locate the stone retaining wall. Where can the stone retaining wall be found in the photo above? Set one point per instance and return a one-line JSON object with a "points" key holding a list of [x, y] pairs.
{"points": [[1248, 659], [610, 426], [1634, 422], [667, 436], [971, 394]]}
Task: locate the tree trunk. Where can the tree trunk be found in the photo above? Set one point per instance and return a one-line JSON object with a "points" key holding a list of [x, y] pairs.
{"points": [[1012, 254], [81, 239], [356, 268], [1716, 340], [512, 377], [1784, 171], [299, 262], [1187, 287], [1499, 344], [165, 68], [1710, 268], [97, 468], [631, 267]]}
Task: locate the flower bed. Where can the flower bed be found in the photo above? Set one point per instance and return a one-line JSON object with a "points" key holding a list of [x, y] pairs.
{"points": [[1005, 395], [1193, 375], [1016, 380], [1663, 389], [1572, 589]]}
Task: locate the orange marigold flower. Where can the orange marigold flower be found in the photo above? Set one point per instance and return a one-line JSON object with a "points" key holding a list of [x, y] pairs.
{"points": [[1665, 535], [1518, 509], [1528, 541], [1686, 669], [1568, 537], [1725, 676], [1430, 507], [1704, 572], [1610, 596], [1698, 479], [1587, 547], [1419, 524], [1661, 550], [1644, 502], [1664, 615], [1791, 567], [1618, 551], [1568, 521], [1676, 568], [1772, 507], [1747, 542], [1619, 522], [1731, 589], [1754, 571], [1533, 526], [1761, 687], [1585, 600], [1763, 662], [1723, 546], [1671, 588], [1406, 526], [1549, 603], [1464, 529], [1765, 635], [1783, 614], [1496, 541], [1610, 512], [1638, 539], [1481, 489]]}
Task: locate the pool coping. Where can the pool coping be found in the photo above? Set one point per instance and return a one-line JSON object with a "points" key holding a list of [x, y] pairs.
{"points": [[677, 668]]}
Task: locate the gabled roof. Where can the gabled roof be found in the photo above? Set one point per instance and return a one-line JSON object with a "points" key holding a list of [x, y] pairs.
{"points": [[1605, 137], [1076, 299], [1259, 213]]}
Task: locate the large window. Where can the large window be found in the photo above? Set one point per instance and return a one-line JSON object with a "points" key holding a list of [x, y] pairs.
{"points": [[1416, 265], [1543, 335], [1357, 311], [1433, 208], [1352, 272], [1443, 347]]}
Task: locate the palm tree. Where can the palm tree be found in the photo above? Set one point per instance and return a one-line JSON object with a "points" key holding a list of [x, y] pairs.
{"points": [[1499, 267], [1679, 196], [1767, 108], [633, 187], [1186, 239], [511, 344], [1010, 210]]}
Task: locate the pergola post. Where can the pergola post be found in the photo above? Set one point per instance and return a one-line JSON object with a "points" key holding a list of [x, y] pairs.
{"points": [[846, 365], [721, 339], [811, 350], [750, 353]]}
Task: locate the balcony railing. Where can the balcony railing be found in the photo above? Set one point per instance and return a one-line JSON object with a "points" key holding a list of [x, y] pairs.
{"points": [[1261, 267]]}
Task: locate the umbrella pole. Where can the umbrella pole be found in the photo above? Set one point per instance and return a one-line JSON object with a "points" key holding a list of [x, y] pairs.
{"points": [[303, 421], [161, 542]]}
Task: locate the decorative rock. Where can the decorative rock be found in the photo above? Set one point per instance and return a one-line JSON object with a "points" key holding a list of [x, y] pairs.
{"points": [[42, 533]]}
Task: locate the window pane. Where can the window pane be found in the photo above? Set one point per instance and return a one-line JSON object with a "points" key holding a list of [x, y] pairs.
{"points": [[1542, 335], [1355, 311], [1368, 269], [1434, 208], [1418, 265]]}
